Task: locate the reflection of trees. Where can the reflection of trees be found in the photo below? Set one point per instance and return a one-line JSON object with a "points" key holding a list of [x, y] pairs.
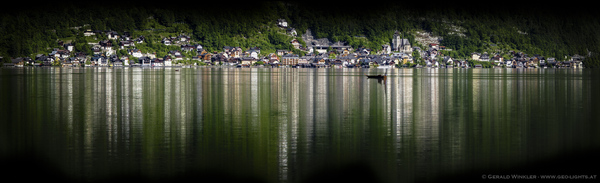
{"points": [[278, 124]]}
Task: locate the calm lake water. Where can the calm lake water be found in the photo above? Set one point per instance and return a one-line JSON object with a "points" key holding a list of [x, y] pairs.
{"points": [[293, 125]]}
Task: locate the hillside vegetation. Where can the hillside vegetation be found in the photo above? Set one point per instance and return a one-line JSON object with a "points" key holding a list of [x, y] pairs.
{"points": [[547, 31]]}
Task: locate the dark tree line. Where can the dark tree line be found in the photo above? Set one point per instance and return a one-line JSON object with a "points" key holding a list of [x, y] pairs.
{"points": [[532, 29]]}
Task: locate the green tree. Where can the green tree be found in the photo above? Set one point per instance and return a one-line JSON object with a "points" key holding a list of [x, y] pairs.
{"points": [[416, 56]]}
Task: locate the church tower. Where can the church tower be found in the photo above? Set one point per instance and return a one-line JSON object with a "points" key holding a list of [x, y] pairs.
{"points": [[396, 42]]}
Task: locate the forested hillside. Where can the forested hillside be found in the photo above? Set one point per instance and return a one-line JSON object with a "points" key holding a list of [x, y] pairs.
{"points": [[550, 31]]}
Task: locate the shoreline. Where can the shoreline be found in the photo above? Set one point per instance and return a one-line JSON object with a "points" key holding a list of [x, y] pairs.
{"points": [[326, 67]]}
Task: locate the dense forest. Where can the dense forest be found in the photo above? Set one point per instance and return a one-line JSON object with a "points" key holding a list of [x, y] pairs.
{"points": [[550, 31]]}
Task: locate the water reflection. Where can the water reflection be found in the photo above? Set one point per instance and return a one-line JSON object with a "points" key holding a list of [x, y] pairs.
{"points": [[284, 124]]}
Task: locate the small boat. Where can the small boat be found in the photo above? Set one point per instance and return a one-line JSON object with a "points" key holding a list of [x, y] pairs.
{"points": [[380, 78], [375, 76]]}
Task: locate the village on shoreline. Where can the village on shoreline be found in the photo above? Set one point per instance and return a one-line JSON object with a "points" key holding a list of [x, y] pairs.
{"points": [[321, 53]]}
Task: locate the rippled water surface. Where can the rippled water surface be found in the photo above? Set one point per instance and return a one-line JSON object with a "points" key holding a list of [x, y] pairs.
{"points": [[290, 125]]}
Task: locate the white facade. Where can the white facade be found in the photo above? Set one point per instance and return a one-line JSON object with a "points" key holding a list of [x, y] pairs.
{"points": [[90, 33], [125, 61], [112, 35], [387, 49], [296, 44], [137, 54], [475, 56], [254, 55], [282, 23]]}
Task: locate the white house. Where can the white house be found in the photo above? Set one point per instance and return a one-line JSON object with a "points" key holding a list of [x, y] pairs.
{"points": [[296, 43], [166, 41], [112, 35], [125, 60], [253, 54], [434, 46], [310, 49], [177, 54], [387, 49], [485, 57], [136, 53], [448, 60], [475, 56], [139, 39], [88, 33], [184, 38], [69, 47], [282, 23]]}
